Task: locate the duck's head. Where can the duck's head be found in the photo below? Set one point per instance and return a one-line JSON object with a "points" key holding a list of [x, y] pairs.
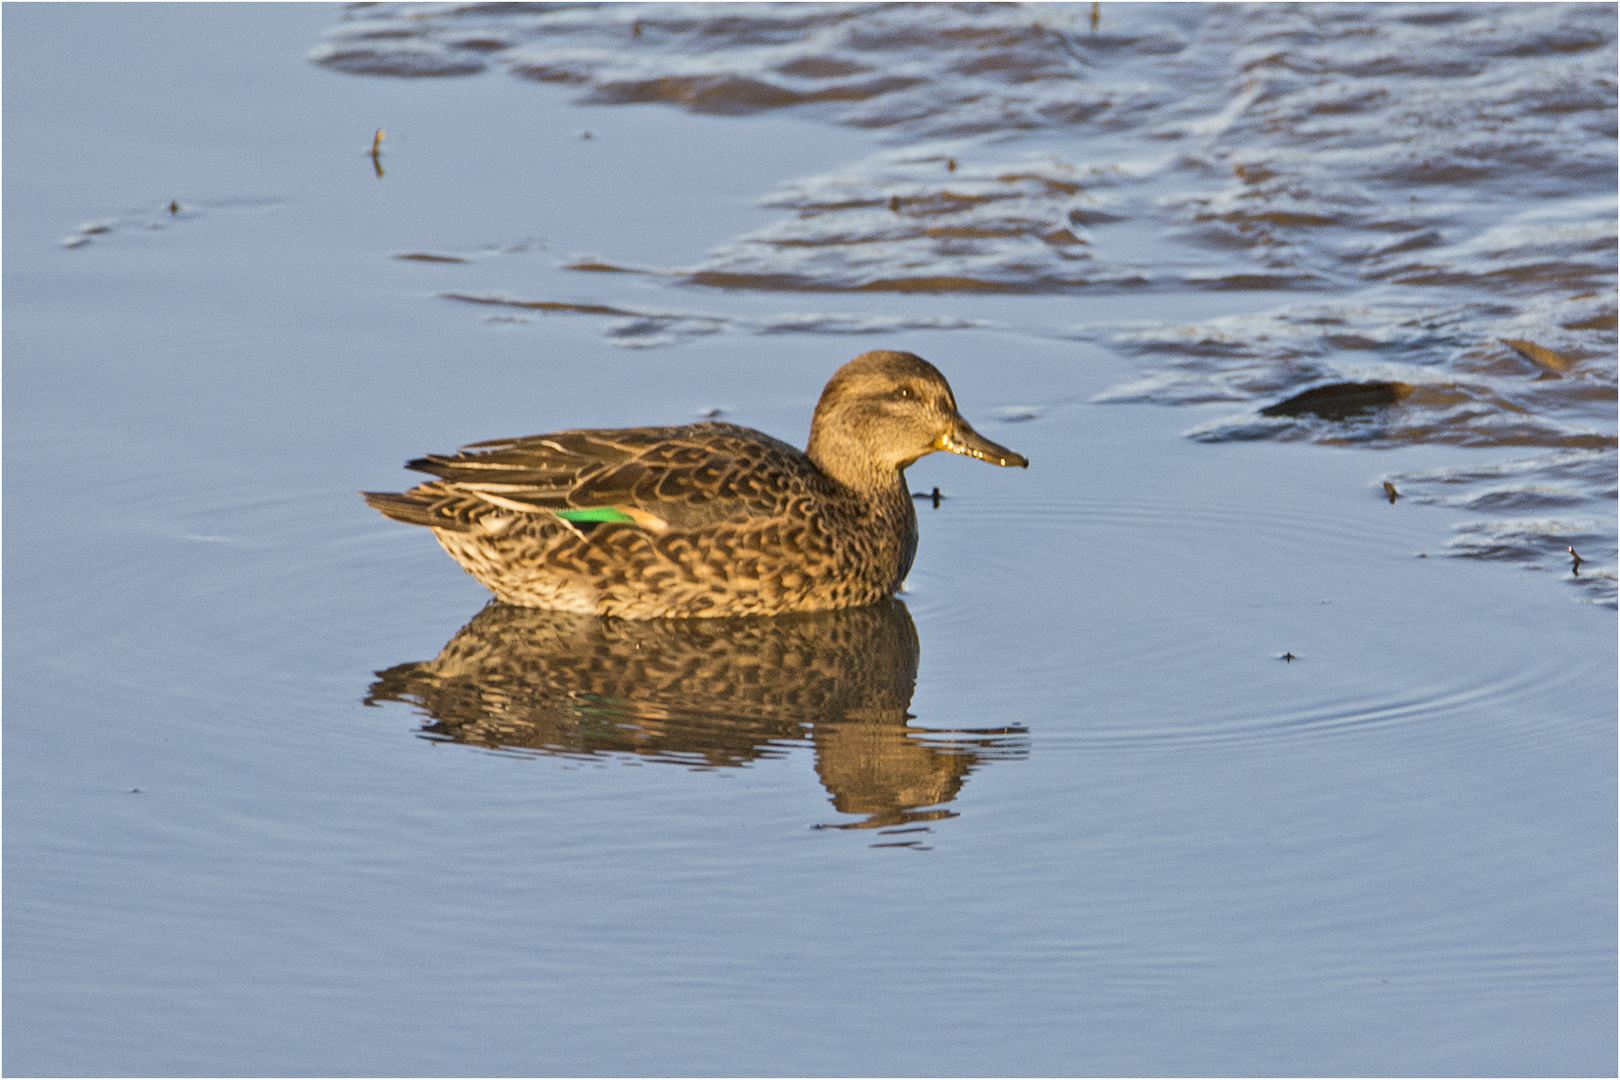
{"points": [[882, 411]]}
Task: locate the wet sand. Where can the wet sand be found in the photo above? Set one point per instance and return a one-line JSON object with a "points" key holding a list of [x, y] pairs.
{"points": [[281, 798]]}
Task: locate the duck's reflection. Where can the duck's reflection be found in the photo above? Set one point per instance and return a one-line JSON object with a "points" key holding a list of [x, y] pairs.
{"points": [[708, 693]]}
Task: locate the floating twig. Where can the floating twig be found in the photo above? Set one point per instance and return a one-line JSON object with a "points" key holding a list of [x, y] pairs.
{"points": [[174, 206], [950, 164], [1389, 489], [1288, 657], [1096, 14], [934, 495], [1575, 560], [894, 203], [376, 152]]}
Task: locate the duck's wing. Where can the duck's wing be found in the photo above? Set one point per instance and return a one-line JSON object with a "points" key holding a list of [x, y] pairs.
{"points": [[657, 478]]}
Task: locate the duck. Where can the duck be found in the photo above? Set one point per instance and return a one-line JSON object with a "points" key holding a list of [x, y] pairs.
{"points": [[701, 520]]}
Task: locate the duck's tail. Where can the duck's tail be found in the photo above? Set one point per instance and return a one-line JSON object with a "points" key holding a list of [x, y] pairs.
{"points": [[407, 507]]}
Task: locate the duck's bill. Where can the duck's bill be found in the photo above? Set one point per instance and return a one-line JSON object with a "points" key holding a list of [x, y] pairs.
{"points": [[964, 440]]}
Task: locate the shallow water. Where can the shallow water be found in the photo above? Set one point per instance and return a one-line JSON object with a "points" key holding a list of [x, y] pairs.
{"points": [[1430, 186], [282, 796]]}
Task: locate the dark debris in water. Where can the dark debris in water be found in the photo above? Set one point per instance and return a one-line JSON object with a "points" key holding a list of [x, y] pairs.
{"points": [[1337, 401]]}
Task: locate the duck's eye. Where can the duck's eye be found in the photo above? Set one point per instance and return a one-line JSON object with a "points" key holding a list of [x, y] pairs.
{"points": [[903, 392]]}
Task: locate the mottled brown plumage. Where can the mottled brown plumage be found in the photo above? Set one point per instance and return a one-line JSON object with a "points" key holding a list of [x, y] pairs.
{"points": [[703, 520]]}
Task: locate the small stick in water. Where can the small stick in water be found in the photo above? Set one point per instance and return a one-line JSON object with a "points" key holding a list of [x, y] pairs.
{"points": [[1576, 560], [1096, 14], [1288, 657], [950, 164], [174, 206], [1389, 489], [376, 151], [934, 495]]}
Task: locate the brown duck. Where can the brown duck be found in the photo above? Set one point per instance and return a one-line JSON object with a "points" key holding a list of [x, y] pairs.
{"points": [[702, 520]]}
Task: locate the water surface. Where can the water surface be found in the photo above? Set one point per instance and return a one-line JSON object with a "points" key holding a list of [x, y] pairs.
{"points": [[284, 796]]}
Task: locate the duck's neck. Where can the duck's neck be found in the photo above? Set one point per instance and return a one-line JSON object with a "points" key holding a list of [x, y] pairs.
{"points": [[882, 490], [858, 472], [881, 487]]}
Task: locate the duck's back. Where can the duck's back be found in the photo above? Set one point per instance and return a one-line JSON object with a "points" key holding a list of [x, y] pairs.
{"points": [[704, 519]]}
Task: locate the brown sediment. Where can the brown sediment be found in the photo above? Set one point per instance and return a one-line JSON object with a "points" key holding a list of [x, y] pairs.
{"points": [[1442, 395], [1256, 281], [1429, 172], [1450, 433], [1538, 275], [1066, 187], [822, 67], [1596, 322], [595, 266], [977, 232], [941, 283], [732, 94], [482, 44], [790, 242], [725, 279], [541, 305], [1088, 216], [361, 60], [1279, 217], [945, 202], [1415, 242], [720, 279], [1061, 238], [813, 207], [1352, 342], [548, 73], [1556, 362]]}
